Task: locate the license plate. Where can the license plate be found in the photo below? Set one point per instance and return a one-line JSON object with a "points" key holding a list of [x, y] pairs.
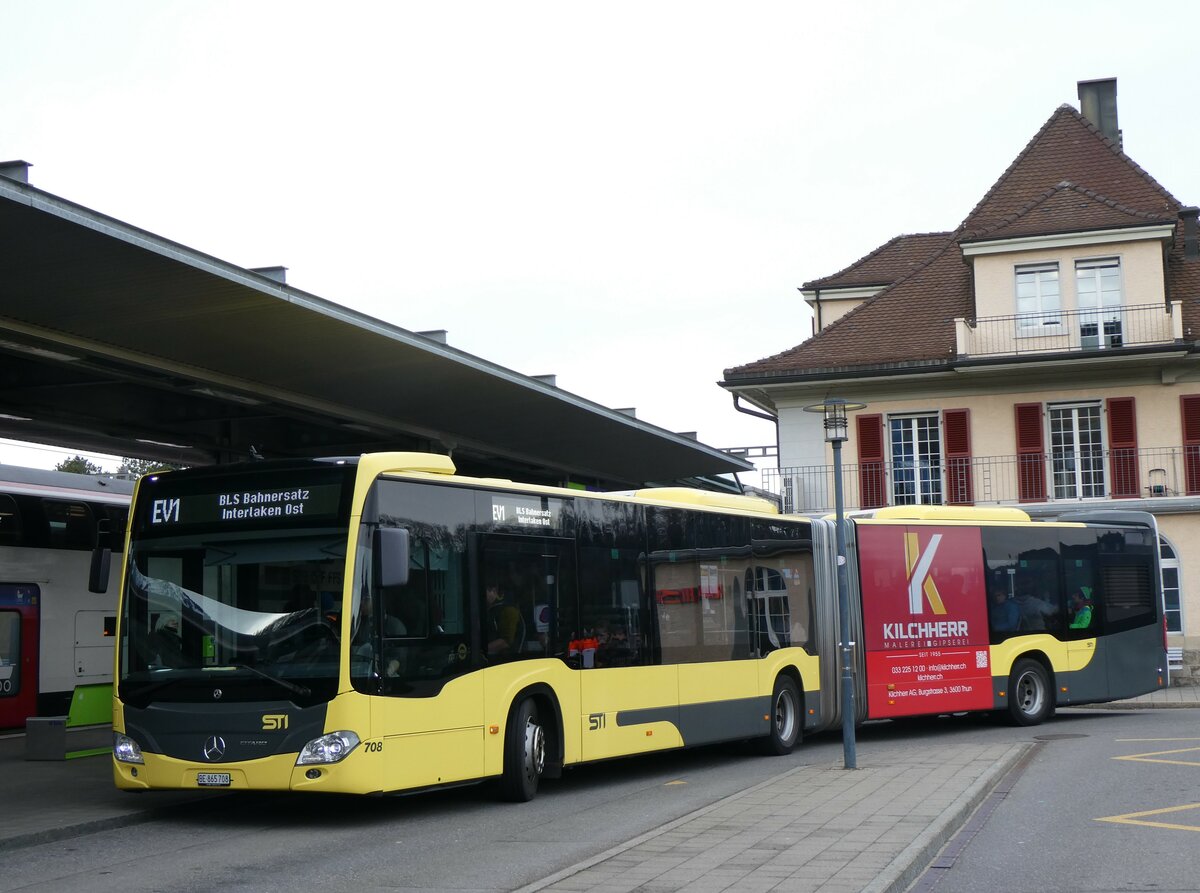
{"points": [[213, 779]]}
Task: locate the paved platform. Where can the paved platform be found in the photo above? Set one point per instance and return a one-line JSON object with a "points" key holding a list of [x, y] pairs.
{"points": [[813, 828], [819, 828], [1175, 696], [54, 800]]}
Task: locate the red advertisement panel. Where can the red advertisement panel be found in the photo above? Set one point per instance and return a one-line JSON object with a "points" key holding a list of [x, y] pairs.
{"points": [[924, 620]]}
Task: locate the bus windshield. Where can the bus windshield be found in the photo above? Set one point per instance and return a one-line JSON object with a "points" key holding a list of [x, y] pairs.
{"points": [[257, 612]]}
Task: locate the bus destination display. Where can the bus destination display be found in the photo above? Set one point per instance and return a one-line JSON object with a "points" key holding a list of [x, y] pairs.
{"points": [[243, 504]]}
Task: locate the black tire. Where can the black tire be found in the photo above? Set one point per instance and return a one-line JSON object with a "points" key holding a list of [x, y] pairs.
{"points": [[786, 719], [1030, 697], [524, 754]]}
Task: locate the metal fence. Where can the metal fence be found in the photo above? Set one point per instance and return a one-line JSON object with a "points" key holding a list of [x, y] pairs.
{"points": [[1067, 331], [991, 480]]}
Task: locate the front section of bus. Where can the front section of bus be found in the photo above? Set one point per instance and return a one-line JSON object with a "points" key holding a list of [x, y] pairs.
{"points": [[229, 653]]}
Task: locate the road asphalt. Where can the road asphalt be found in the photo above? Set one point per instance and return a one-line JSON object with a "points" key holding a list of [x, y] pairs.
{"points": [[814, 827]]}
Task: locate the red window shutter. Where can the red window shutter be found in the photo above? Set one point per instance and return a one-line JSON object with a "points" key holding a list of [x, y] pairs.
{"points": [[1190, 409], [1122, 449], [872, 487], [1031, 459], [956, 425]]}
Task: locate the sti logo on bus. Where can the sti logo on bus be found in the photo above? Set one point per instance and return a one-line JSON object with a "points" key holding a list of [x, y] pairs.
{"points": [[164, 510], [273, 722], [919, 579]]}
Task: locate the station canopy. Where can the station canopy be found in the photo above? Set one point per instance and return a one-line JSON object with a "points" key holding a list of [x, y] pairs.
{"points": [[118, 341]]}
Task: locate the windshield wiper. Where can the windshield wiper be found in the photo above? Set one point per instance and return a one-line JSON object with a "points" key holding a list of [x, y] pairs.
{"points": [[286, 684], [138, 694]]}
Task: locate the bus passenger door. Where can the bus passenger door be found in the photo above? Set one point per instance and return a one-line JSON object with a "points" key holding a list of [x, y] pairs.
{"points": [[19, 608], [528, 624], [719, 692]]}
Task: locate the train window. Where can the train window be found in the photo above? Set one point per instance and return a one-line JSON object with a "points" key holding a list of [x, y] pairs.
{"points": [[10, 521], [71, 524], [118, 518]]}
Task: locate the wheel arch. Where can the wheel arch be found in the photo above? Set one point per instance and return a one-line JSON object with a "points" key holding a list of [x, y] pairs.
{"points": [[550, 712], [792, 671]]}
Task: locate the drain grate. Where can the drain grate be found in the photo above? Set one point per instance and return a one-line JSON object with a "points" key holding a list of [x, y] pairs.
{"points": [[1056, 737]]}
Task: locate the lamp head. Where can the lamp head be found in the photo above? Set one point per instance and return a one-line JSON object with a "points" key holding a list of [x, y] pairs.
{"points": [[837, 427]]}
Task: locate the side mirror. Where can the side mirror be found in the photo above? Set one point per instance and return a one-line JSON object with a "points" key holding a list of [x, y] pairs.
{"points": [[98, 573], [391, 551]]}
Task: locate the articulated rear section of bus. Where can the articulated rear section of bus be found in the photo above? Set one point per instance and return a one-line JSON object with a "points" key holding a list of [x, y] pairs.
{"points": [[956, 610]]}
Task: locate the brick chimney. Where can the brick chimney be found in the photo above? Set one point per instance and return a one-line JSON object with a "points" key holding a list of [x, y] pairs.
{"points": [[1191, 236]]}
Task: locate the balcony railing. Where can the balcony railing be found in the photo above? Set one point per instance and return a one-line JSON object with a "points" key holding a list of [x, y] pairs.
{"points": [[1070, 331], [993, 480]]}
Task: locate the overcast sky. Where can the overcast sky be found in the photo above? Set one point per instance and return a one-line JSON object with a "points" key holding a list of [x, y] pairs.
{"points": [[624, 194]]}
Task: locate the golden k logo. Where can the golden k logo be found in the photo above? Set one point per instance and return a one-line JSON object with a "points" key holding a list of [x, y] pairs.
{"points": [[919, 580]]}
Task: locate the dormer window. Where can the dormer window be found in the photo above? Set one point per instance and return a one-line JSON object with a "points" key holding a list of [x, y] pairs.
{"points": [[1039, 304], [1098, 288]]}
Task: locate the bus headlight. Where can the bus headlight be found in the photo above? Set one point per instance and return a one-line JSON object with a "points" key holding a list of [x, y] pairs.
{"points": [[331, 748], [126, 750]]}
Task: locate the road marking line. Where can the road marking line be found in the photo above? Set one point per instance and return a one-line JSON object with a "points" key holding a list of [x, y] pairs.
{"points": [[1119, 740], [1133, 818], [1148, 757]]}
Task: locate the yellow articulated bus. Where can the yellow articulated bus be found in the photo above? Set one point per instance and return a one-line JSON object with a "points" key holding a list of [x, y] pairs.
{"points": [[382, 624]]}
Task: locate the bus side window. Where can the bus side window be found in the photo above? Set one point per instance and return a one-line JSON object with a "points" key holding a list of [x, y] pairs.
{"points": [[780, 587], [1127, 594], [610, 604]]}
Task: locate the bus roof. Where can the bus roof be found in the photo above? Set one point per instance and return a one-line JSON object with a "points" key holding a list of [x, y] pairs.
{"points": [[437, 466], [945, 513]]}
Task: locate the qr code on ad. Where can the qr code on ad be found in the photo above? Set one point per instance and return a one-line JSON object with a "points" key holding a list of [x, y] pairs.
{"points": [[981, 659]]}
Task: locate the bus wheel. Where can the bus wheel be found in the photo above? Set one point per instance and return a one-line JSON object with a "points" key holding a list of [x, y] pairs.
{"points": [[785, 718], [1030, 700], [524, 754]]}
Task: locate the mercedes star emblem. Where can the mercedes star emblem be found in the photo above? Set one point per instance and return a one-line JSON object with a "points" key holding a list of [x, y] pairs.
{"points": [[217, 694], [214, 748]]}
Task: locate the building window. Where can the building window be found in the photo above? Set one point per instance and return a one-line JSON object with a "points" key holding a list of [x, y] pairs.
{"points": [[1172, 607], [916, 460], [1076, 451], [1038, 304], [1098, 288]]}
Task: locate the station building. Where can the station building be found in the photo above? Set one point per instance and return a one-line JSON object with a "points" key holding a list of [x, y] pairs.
{"points": [[1043, 353]]}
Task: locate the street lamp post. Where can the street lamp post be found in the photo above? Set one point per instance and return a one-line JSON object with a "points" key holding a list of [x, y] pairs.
{"points": [[834, 410]]}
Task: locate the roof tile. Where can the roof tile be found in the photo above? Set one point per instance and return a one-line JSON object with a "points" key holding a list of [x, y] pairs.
{"points": [[1068, 178], [890, 261]]}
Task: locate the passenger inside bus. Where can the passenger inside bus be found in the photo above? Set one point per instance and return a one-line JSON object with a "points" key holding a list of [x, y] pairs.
{"points": [[1003, 613], [1037, 613], [1081, 608], [505, 628]]}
